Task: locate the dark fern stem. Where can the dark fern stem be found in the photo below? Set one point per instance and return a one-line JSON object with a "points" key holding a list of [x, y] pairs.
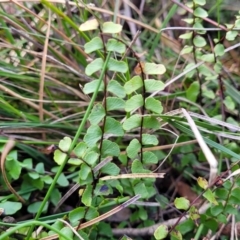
{"points": [[221, 95], [143, 91], [195, 59], [220, 83], [104, 97], [142, 112]]}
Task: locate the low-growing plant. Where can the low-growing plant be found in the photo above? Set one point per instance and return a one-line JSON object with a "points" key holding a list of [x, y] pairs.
{"points": [[116, 158]]}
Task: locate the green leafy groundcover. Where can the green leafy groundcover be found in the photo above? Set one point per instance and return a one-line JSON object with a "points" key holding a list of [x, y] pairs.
{"points": [[121, 134]]}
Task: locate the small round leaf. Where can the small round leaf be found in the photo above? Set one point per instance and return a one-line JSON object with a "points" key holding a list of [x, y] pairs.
{"points": [[65, 144], [113, 127], [10, 208], [80, 149], [151, 122], [111, 27], [200, 2], [193, 91], [117, 66], [91, 157], [229, 103], [200, 12], [115, 103], [133, 148], [154, 69], [186, 50], [94, 66], [132, 122], [182, 203], [96, 114], [67, 231], [115, 46], [186, 35], [149, 158], [152, 85], [209, 57], [94, 133], [87, 196], [116, 88], [59, 157], [134, 103], [231, 35], [110, 148], [93, 45], [110, 169], [209, 195], [202, 182], [154, 105], [34, 207], [92, 86], [140, 188], [77, 214], [62, 180], [148, 139], [199, 41], [161, 232], [133, 84], [84, 171], [137, 167], [219, 50]]}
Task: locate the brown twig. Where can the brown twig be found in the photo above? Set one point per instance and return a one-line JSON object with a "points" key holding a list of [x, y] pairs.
{"points": [[7, 148], [101, 217], [43, 70]]}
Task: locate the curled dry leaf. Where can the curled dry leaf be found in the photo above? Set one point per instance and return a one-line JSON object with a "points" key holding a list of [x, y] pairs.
{"points": [[139, 68], [91, 24]]}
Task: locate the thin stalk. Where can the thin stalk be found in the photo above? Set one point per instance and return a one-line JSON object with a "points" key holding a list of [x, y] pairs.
{"points": [[32, 223], [199, 232], [79, 131]]}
